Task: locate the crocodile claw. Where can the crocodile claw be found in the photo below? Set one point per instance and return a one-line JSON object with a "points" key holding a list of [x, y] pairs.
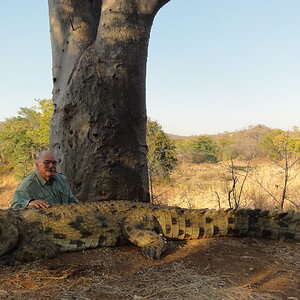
{"points": [[152, 252], [155, 250]]}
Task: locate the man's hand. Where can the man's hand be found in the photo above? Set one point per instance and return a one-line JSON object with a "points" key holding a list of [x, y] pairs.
{"points": [[39, 204]]}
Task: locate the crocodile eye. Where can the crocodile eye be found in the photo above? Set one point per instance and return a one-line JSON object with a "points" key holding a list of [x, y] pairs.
{"points": [[9, 233]]}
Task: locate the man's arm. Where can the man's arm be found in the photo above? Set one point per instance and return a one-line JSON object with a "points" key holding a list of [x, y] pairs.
{"points": [[22, 199]]}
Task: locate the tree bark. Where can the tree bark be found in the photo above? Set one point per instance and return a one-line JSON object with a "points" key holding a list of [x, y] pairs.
{"points": [[98, 129]]}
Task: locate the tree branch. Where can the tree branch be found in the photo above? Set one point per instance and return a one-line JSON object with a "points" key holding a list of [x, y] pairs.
{"points": [[73, 28]]}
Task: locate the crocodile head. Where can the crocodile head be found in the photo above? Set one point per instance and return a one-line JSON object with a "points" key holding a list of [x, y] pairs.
{"points": [[9, 230]]}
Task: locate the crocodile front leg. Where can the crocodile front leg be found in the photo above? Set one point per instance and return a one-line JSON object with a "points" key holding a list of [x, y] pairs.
{"points": [[143, 231]]}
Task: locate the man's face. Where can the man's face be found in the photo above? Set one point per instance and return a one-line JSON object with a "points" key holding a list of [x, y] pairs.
{"points": [[46, 166]]}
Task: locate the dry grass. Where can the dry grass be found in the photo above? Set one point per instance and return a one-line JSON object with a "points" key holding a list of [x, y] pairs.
{"points": [[177, 282], [123, 274], [207, 185], [8, 184]]}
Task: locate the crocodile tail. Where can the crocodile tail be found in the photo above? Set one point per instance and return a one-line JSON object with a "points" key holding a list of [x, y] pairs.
{"points": [[194, 224], [268, 224]]}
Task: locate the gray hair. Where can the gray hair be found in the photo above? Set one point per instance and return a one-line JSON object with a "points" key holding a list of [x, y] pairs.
{"points": [[40, 155]]}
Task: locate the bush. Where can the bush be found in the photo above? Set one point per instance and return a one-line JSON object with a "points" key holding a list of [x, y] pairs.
{"points": [[23, 136]]}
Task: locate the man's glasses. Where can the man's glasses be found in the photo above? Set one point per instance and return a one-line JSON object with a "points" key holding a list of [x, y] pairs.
{"points": [[49, 162]]}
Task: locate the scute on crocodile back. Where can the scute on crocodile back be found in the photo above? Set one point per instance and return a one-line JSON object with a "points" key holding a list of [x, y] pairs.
{"points": [[39, 233]]}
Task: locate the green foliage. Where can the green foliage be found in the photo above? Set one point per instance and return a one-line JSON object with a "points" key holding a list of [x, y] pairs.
{"points": [[279, 145], [161, 152], [227, 149], [43, 115], [202, 149], [205, 150], [16, 146], [284, 150], [184, 149], [23, 136]]}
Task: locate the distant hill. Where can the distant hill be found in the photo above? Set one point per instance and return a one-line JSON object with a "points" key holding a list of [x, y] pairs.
{"points": [[177, 137], [252, 131]]}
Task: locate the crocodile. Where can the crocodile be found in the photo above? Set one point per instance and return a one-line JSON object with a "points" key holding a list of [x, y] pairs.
{"points": [[29, 234]]}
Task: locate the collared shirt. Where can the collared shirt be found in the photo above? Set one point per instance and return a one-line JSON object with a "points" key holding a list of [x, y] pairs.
{"points": [[35, 187]]}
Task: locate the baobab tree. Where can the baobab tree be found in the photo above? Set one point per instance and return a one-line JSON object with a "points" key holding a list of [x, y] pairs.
{"points": [[98, 129]]}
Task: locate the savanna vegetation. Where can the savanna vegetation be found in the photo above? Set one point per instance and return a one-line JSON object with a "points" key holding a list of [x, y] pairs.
{"points": [[23, 136], [254, 167]]}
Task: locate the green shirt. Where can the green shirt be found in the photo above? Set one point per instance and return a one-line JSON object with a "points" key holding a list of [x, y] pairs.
{"points": [[35, 187]]}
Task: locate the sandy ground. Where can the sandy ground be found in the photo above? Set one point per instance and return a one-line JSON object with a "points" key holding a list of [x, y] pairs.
{"points": [[224, 268]]}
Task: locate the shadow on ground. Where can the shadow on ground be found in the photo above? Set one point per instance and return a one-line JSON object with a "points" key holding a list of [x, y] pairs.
{"points": [[224, 268]]}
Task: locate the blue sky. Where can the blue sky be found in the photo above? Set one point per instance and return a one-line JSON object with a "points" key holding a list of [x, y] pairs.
{"points": [[213, 65]]}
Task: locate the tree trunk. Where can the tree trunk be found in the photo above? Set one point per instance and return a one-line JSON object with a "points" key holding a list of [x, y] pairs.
{"points": [[286, 175], [98, 130]]}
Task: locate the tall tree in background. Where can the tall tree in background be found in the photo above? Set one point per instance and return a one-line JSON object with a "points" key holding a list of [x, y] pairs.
{"points": [[23, 136], [284, 151], [98, 130], [205, 150], [161, 155]]}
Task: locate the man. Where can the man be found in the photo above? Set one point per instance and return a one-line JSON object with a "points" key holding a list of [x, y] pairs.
{"points": [[44, 186]]}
